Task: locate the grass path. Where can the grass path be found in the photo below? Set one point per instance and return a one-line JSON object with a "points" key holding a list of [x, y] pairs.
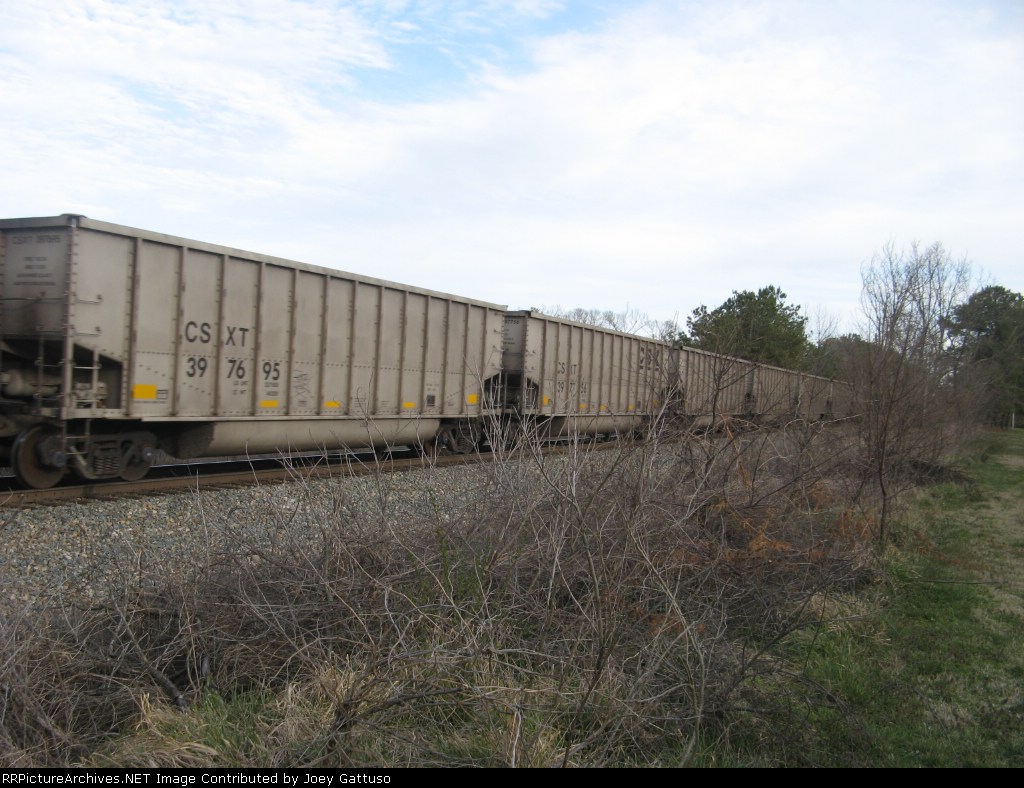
{"points": [[938, 681]]}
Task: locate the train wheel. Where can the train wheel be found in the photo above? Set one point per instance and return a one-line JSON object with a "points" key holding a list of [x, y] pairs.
{"points": [[454, 439], [26, 458], [138, 464], [133, 471], [441, 446], [465, 440]]}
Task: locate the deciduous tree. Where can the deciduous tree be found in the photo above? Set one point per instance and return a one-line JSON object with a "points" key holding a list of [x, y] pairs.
{"points": [[903, 375]]}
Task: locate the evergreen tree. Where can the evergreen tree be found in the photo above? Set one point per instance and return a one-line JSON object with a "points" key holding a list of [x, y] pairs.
{"points": [[757, 326], [988, 332]]}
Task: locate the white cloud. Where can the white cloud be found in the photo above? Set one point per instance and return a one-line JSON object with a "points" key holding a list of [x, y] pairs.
{"points": [[663, 156]]}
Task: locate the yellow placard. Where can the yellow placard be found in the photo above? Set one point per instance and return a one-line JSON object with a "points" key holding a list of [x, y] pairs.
{"points": [[332, 404], [472, 399], [144, 391], [409, 405], [269, 403]]}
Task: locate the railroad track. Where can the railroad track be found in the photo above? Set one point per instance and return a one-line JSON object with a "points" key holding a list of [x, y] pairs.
{"points": [[233, 472], [222, 474], [211, 474]]}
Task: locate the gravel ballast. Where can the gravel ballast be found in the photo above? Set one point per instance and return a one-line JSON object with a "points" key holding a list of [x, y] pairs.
{"points": [[80, 549]]}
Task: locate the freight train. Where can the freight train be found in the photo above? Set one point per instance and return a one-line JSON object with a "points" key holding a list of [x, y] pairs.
{"points": [[118, 343]]}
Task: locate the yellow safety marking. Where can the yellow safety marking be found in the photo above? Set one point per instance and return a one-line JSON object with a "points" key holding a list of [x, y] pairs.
{"points": [[144, 391], [604, 407], [409, 405], [631, 408], [472, 399], [583, 407], [269, 403], [547, 400], [332, 404]]}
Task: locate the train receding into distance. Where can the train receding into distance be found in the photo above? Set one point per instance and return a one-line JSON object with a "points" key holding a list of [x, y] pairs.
{"points": [[117, 343]]}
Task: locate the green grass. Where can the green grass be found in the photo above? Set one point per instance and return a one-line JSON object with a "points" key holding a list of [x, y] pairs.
{"points": [[935, 678], [216, 731]]}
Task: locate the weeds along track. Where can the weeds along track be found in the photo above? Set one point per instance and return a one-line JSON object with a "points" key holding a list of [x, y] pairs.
{"points": [[66, 539], [580, 608]]}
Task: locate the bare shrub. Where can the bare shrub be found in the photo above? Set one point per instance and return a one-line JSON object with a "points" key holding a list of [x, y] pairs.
{"points": [[600, 606]]}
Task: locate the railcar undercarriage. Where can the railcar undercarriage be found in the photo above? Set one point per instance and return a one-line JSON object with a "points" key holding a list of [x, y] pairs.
{"points": [[41, 453]]}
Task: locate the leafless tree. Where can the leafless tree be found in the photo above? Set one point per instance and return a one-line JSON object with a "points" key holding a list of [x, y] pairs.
{"points": [[902, 374], [629, 321]]}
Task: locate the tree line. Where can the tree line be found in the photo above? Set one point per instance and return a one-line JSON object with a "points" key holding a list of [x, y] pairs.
{"points": [[920, 313], [920, 316], [934, 357]]}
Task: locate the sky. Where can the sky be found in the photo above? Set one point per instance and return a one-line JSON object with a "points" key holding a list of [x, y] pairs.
{"points": [[619, 155]]}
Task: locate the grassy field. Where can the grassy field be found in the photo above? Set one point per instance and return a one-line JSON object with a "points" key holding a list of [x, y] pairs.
{"points": [[935, 677]]}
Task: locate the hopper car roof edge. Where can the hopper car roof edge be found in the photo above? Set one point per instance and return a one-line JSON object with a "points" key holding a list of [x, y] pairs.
{"points": [[73, 220], [759, 364], [533, 313]]}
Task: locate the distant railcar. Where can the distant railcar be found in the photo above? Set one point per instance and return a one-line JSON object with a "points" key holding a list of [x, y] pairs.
{"points": [[711, 386], [565, 377]]}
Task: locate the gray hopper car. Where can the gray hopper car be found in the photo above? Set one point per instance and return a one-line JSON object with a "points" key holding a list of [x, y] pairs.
{"points": [[566, 378], [116, 342], [709, 386]]}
